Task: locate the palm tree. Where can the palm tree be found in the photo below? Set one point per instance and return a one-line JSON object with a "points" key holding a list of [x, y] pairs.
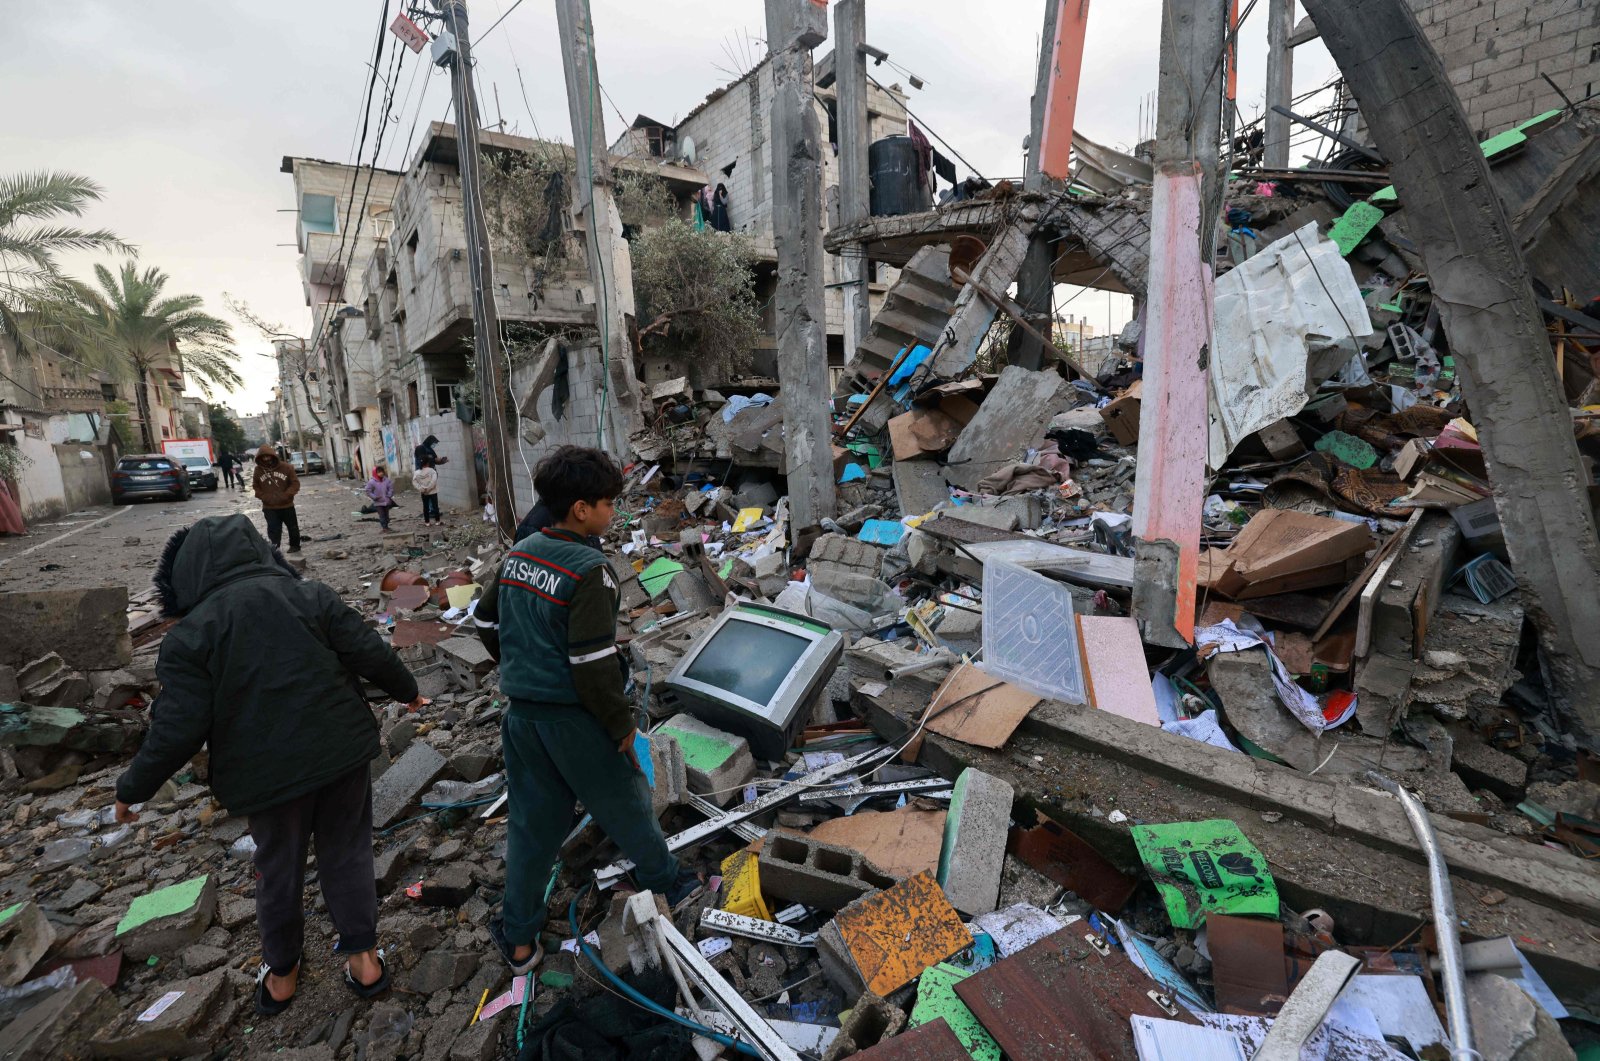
{"points": [[31, 236], [133, 328]]}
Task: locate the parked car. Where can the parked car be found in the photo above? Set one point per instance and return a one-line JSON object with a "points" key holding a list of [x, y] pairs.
{"points": [[149, 475], [202, 473], [308, 462]]}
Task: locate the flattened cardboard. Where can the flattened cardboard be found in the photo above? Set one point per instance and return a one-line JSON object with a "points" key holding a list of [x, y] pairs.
{"points": [[1282, 541], [1122, 415], [977, 708], [922, 432], [902, 842], [1247, 963]]}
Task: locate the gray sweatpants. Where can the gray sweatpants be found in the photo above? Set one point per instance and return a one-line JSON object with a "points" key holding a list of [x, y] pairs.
{"points": [[339, 816]]}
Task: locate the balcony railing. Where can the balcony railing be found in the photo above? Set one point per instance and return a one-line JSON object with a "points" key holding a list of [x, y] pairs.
{"points": [[74, 399]]}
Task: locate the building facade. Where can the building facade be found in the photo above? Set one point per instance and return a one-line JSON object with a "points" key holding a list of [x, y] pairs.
{"points": [[53, 416]]}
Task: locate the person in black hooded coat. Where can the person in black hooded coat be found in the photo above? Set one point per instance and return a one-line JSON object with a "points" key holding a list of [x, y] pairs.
{"points": [[264, 668]]}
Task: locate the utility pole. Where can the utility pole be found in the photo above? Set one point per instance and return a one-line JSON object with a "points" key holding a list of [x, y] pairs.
{"points": [[1170, 487], [1280, 83], [610, 261], [854, 131], [485, 320], [1054, 111], [286, 388], [794, 27]]}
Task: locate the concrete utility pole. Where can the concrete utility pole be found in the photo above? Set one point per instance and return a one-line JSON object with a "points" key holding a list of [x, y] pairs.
{"points": [[1169, 490], [1054, 112], [486, 344], [1280, 83], [794, 27], [850, 74], [1496, 332], [610, 261]]}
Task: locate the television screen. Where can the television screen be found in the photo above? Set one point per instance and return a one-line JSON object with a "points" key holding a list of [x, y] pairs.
{"points": [[748, 660]]}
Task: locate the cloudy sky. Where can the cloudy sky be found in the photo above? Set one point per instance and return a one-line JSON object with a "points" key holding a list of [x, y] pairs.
{"points": [[183, 109]]}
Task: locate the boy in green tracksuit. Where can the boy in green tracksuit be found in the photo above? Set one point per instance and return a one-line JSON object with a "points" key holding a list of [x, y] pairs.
{"points": [[550, 619]]}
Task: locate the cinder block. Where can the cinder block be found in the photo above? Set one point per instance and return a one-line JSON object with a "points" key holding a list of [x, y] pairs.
{"points": [[717, 763], [468, 661], [808, 871], [871, 1020], [975, 841]]}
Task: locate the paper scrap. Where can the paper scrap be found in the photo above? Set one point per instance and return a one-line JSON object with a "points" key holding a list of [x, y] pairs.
{"points": [[510, 998], [159, 1006]]}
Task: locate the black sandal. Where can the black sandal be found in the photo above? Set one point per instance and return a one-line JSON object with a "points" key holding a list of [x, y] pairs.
{"points": [[266, 1005], [372, 990]]}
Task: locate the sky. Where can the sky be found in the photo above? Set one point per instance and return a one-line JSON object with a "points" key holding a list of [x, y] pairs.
{"points": [[182, 111]]}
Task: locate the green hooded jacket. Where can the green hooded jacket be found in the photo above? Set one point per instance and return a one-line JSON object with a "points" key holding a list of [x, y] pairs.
{"points": [[264, 668]]}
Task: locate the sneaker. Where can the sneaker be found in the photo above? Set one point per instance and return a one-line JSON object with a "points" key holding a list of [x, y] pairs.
{"points": [[497, 933]]}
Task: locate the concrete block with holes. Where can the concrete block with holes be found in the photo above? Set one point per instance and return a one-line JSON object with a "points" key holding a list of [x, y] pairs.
{"points": [[718, 763], [803, 870]]}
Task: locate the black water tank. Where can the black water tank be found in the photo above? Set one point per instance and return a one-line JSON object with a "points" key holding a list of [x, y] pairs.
{"points": [[892, 165]]}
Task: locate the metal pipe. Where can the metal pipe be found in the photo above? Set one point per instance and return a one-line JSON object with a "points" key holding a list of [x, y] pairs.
{"points": [[1444, 920]]}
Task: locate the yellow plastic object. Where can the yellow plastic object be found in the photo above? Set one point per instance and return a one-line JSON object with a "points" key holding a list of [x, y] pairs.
{"points": [[741, 886], [747, 518], [461, 596]]}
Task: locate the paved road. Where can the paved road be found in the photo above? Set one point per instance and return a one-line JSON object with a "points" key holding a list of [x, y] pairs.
{"points": [[111, 544]]}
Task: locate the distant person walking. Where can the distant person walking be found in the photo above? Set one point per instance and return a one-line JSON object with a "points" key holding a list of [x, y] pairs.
{"points": [[264, 670], [275, 484], [426, 480], [380, 489], [230, 470]]}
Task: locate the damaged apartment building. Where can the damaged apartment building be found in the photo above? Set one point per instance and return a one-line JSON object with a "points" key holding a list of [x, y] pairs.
{"points": [[385, 269]]}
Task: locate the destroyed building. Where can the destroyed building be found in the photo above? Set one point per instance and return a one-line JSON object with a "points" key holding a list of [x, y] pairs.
{"points": [[998, 757]]}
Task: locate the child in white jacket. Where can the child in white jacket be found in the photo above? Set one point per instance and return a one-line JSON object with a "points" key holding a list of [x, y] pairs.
{"points": [[426, 480]]}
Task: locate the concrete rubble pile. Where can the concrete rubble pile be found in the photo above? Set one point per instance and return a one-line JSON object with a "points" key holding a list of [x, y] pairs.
{"points": [[946, 798]]}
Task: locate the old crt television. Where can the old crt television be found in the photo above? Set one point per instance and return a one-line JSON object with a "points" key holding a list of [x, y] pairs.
{"points": [[755, 673]]}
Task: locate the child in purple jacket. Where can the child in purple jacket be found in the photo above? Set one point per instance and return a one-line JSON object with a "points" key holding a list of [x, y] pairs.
{"points": [[380, 488]]}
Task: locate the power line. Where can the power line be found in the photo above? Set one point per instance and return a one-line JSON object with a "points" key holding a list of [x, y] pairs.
{"points": [[499, 20]]}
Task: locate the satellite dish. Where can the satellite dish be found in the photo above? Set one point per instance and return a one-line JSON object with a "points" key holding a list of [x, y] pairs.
{"points": [[686, 150]]}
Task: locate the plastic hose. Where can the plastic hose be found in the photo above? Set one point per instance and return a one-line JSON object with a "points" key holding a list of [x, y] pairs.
{"points": [[634, 996]]}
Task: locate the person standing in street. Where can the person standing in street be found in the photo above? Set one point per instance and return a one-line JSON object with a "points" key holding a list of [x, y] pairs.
{"points": [[426, 480], [264, 669], [230, 470], [428, 449], [380, 490], [550, 620], [275, 484]]}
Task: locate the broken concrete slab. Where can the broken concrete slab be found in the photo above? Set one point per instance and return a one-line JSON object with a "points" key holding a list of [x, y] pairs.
{"points": [[88, 628], [1249, 700], [871, 1020], [975, 834], [834, 557], [178, 1019], [1469, 654], [920, 486], [717, 763], [1010, 421], [441, 970], [25, 936], [407, 778], [59, 1025], [669, 773], [163, 922], [1509, 1025], [45, 726]]}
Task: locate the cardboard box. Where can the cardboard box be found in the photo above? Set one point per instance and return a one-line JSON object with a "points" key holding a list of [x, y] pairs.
{"points": [[1281, 551], [1122, 415], [922, 432]]}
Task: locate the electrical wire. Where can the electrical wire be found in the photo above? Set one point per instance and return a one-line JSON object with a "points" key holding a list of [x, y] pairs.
{"points": [[634, 996], [485, 35]]}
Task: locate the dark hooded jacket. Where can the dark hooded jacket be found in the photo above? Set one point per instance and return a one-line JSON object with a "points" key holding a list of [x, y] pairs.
{"points": [[264, 668]]}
